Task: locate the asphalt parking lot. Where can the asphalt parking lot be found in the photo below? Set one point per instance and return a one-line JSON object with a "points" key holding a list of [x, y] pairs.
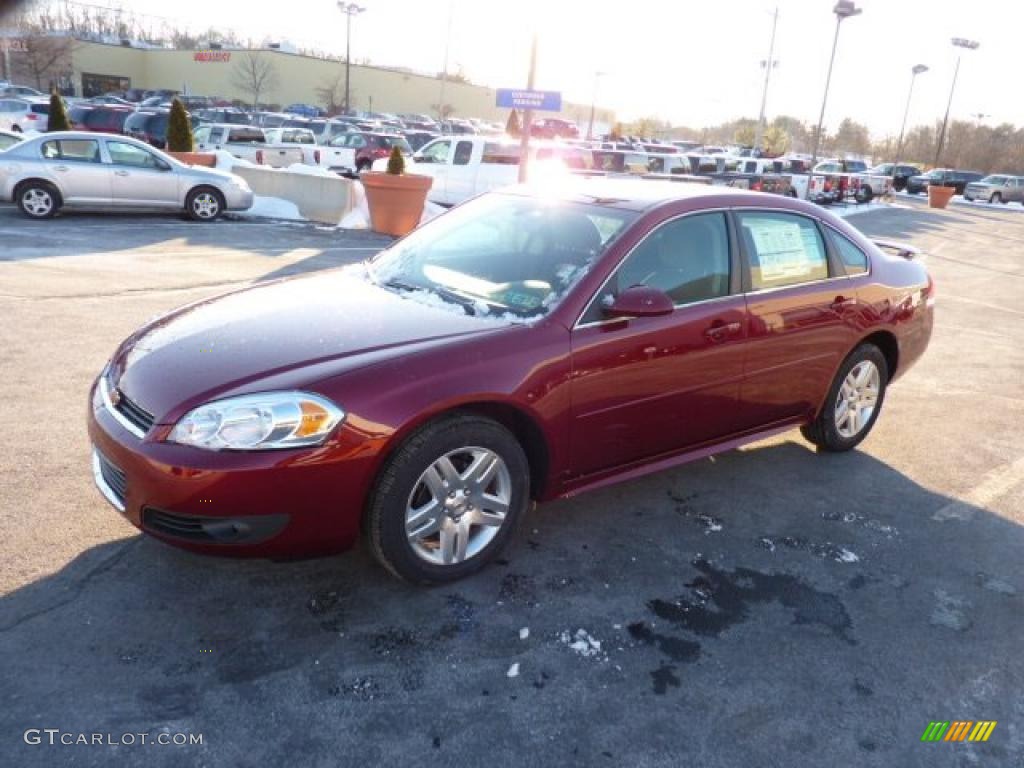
{"points": [[769, 607]]}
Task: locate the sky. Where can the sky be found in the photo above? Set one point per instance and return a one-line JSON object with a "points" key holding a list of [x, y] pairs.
{"points": [[691, 63]]}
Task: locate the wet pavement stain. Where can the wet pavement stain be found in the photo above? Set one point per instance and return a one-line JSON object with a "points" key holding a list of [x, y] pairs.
{"points": [[663, 677], [720, 599], [518, 588], [676, 648]]}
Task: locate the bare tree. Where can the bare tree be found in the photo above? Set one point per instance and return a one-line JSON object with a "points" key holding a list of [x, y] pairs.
{"points": [[331, 93], [254, 74], [43, 60]]}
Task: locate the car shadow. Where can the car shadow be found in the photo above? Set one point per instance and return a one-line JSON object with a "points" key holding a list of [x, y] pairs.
{"points": [[774, 600]]}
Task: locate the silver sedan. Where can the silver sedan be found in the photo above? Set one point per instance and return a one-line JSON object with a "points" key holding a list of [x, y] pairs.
{"points": [[99, 170]]}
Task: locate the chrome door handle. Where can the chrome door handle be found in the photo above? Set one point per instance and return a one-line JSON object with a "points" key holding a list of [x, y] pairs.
{"points": [[719, 330], [841, 302], [120, 173]]}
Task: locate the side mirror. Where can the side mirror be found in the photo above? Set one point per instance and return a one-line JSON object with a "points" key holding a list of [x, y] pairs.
{"points": [[639, 301]]}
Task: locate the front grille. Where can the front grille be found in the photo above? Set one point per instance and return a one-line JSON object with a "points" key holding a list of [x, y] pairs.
{"points": [[113, 477], [180, 526], [134, 413]]}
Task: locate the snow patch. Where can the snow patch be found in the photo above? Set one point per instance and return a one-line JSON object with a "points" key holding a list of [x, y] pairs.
{"points": [[311, 170], [226, 161], [846, 556], [513, 671], [583, 643], [524, 633], [273, 208]]}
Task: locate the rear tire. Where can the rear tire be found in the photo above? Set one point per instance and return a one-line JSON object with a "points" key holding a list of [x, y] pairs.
{"points": [[204, 204], [853, 402], [363, 166], [38, 199], [996, 198], [441, 483], [865, 194]]}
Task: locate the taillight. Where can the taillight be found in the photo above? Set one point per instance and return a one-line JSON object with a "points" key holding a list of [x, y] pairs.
{"points": [[259, 157], [756, 186], [32, 116], [316, 156], [828, 185], [814, 184]]}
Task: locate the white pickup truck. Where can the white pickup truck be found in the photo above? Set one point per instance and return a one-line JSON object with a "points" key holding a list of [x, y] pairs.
{"points": [[465, 166], [246, 142], [302, 138]]}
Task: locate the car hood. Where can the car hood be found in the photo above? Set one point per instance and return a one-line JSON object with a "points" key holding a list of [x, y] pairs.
{"points": [[282, 335]]}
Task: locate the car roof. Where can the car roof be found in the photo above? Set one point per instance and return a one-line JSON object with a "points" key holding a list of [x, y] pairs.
{"points": [[636, 194]]}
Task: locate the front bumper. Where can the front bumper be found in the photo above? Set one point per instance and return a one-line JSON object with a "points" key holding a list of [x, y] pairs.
{"points": [[291, 503], [238, 199]]}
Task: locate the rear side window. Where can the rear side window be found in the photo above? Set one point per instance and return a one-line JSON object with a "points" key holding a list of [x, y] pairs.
{"points": [[41, 109], [855, 261], [73, 150], [463, 153], [782, 250]]}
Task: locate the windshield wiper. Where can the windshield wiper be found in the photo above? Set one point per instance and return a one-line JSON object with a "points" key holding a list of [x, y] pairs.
{"points": [[451, 296]]}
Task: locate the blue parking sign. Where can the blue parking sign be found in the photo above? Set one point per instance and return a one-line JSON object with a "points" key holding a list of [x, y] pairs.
{"points": [[520, 98]]}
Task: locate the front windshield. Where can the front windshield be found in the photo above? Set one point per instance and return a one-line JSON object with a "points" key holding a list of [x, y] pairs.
{"points": [[501, 255]]}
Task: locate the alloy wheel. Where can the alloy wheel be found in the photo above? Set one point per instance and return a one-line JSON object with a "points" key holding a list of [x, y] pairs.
{"points": [[857, 398], [458, 505], [205, 205], [37, 202]]}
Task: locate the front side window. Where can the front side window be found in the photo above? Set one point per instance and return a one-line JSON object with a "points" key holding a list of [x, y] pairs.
{"points": [[688, 259], [356, 141], [855, 261], [782, 250], [123, 153], [436, 152], [501, 254]]}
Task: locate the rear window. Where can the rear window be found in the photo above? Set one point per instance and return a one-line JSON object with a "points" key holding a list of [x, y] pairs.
{"points": [[500, 154], [41, 109], [246, 136], [295, 136], [397, 141]]}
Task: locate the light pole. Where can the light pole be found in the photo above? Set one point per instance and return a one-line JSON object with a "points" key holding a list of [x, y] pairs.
{"points": [[914, 72], [970, 45], [593, 105], [350, 10], [524, 139], [441, 116], [768, 65], [843, 9]]}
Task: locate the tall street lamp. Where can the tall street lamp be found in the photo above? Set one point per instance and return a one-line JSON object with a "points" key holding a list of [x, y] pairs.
{"points": [[593, 104], [768, 64], [914, 72], [350, 10], [970, 45], [843, 9]]}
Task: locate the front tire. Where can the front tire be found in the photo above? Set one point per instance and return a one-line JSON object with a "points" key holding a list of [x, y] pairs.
{"points": [[204, 204], [38, 200], [448, 500], [853, 402]]}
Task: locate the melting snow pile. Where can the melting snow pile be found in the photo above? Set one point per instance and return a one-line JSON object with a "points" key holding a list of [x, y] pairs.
{"points": [[273, 208]]}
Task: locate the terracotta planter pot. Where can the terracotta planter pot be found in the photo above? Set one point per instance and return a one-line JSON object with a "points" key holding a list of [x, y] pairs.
{"points": [[395, 202], [207, 159], [938, 197]]}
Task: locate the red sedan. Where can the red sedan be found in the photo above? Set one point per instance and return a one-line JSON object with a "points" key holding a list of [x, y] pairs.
{"points": [[525, 345]]}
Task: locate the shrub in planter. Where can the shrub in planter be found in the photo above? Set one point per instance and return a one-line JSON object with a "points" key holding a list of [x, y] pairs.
{"points": [[395, 198], [58, 118], [179, 130]]}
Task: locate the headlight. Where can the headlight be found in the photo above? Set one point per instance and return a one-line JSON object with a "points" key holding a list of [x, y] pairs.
{"points": [[259, 422]]}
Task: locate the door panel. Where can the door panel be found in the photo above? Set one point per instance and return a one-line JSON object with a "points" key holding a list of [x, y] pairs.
{"points": [[648, 386], [137, 178], [77, 167], [652, 385], [802, 312]]}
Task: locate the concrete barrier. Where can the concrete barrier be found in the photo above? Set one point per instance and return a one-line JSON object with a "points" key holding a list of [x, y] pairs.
{"points": [[325, 199]]}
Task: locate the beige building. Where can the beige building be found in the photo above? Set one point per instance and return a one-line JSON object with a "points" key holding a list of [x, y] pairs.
{"points": [[98, 68]]}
